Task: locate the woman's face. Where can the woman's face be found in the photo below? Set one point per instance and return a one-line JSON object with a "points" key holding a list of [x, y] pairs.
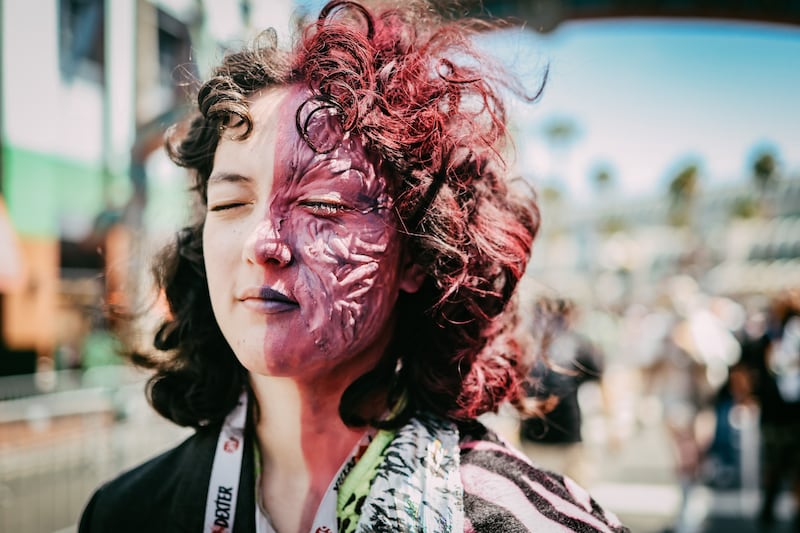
{"points": [[302, 254]]}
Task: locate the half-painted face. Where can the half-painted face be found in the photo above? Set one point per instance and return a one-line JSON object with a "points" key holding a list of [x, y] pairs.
{"points": [[302, 254]]}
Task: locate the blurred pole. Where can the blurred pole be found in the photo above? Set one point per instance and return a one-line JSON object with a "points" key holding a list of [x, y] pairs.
{"points": [[749, 457], [119, 130], [119, 99]]}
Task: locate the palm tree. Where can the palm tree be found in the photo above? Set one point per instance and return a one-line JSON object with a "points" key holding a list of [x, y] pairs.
{"points": [[765, 175], [603, 180], [765, 171], [682, 192], [561, 133]]}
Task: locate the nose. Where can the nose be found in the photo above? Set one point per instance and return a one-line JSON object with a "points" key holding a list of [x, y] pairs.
{"points": [[265, 245]]}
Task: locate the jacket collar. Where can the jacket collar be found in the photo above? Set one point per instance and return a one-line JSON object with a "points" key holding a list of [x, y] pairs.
{"points": [[188, 504]]}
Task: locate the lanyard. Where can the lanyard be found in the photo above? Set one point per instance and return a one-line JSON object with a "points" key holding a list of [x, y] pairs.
{"points": [[225, 472]]}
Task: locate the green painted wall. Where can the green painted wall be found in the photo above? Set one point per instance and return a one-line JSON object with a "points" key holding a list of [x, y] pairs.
{"points": [[41, 188]]}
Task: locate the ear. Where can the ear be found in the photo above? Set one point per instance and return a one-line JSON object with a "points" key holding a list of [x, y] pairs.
{"points": [[411, 276]]}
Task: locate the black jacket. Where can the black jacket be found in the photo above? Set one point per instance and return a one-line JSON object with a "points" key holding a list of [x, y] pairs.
{"points": [[169, 492]]}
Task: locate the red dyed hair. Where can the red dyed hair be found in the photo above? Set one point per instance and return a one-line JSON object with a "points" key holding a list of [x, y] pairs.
{"points": [[428, 106]]}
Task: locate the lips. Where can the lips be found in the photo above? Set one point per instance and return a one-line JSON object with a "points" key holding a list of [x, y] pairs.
{"points": [[268, 300]]}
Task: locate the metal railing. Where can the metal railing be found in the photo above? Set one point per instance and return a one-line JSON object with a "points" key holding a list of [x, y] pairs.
{"points": [[64, 434]]}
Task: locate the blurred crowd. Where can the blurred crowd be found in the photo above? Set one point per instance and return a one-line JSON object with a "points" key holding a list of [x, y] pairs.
{"points": [[721, 375]]}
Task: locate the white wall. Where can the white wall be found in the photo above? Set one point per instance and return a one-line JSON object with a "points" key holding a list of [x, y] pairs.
{"points": [[41, 112]]}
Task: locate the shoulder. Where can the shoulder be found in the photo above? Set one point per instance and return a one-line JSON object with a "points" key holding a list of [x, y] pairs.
{"points": [[504, 491], [144, 498]]}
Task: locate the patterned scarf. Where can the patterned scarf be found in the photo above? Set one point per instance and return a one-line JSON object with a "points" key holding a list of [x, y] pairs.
{"points": [[409, 483]]}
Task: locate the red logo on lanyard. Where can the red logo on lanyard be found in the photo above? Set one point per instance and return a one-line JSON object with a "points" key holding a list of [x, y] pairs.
{"points": [[231, 445], [219, 529], [323, 529]]}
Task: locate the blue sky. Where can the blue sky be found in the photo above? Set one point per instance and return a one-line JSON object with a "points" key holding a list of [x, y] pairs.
{"points": [[649, 96]]}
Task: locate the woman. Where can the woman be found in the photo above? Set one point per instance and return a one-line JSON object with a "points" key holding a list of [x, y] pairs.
{"points": [[342, 313]]}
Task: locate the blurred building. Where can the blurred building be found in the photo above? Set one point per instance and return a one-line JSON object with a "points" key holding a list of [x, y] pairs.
{"points": [[87, 88], [736, 240]]}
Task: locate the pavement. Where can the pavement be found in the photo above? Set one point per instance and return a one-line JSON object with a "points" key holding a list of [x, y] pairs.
{"points": [[50, 463], [637, 480]]}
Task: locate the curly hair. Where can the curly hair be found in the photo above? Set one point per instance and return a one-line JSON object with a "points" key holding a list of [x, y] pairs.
{"points": [[428, 105]]}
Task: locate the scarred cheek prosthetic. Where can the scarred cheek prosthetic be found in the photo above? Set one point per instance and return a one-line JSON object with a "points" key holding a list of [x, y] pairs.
{"points": [[347, 262]]}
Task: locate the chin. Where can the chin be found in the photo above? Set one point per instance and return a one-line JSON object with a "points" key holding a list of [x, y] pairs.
{"points": [[285, 366]]}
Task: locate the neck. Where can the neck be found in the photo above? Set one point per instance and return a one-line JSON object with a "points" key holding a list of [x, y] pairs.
{"points": [[303, 443], [299, 423]]}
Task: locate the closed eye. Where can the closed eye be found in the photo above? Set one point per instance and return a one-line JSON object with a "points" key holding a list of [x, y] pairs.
{"points": [[226, 206]]}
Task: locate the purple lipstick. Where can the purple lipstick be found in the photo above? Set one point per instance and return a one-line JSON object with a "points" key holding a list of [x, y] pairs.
{"points": [[269, 301]]}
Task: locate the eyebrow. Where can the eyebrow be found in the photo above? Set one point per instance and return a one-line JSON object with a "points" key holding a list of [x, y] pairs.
{"points": [[227, 177]]}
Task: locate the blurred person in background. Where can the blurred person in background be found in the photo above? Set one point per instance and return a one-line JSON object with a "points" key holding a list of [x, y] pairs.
{"points": [[771, 351], [726, 462], [696, 351], [12, 279], [723, 460], [553, 438], [344, 310], [11, 268]]}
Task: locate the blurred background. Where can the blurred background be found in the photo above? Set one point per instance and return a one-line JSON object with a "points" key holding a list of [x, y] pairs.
{"points": [[666, 155]]}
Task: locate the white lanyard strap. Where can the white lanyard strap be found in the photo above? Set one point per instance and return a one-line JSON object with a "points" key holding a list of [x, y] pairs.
{"points": [[224, 484]]}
